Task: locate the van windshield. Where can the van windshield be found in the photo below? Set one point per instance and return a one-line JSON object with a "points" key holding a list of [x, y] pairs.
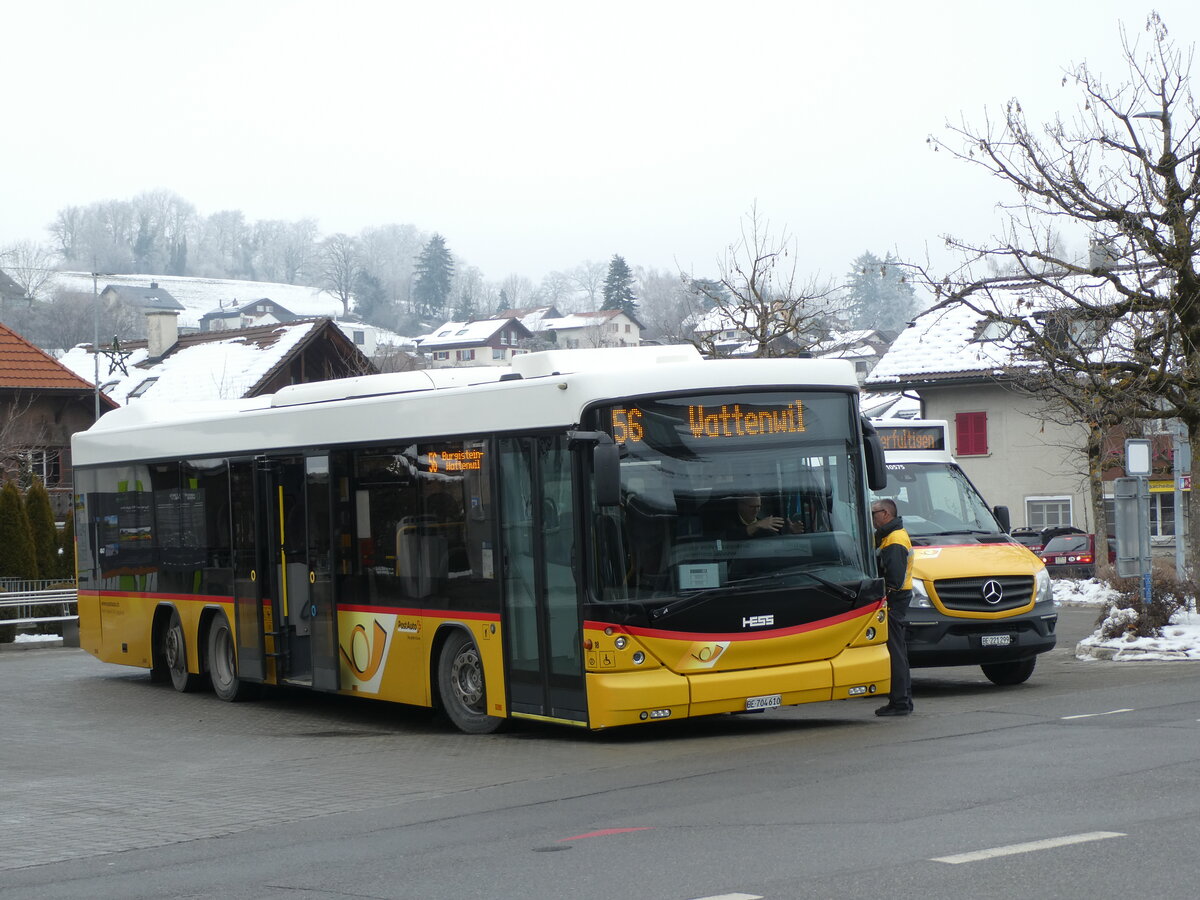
{"points": [[937, 499]]}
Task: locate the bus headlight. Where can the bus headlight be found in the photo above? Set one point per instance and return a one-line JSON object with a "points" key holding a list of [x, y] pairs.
{"points": [[920, 596], [1043, 590]]}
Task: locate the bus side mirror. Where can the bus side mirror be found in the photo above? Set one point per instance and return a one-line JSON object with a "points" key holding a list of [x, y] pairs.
{"points": [[873, 450], [606, 464], [606, 473], [1002, 516]]}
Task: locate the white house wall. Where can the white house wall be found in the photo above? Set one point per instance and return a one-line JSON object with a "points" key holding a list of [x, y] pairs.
{"points": [[1028, 456]]}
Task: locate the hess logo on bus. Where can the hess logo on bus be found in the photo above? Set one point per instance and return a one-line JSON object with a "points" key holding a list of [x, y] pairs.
{"points": [[757, 621]]}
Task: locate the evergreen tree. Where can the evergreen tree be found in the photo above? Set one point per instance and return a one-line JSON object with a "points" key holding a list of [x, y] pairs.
{"points": [[434, 272], [17, 559], [503, 305], [42, 530], [371, 301], [618, 287], [879, 295], [66, 546]]}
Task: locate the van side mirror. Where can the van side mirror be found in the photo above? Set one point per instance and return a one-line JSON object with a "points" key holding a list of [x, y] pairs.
{"points": [[873, 453], [1002, 516]]}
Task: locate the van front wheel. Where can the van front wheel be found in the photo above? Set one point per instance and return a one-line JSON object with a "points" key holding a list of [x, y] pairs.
{"points": [[1010, 672]]}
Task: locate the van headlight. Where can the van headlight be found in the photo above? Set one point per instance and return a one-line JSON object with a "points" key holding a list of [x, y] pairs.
{"points": [[1043, 589], [920, 597]]}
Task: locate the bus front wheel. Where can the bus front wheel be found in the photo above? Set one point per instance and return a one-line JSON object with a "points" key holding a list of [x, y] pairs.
{"points": [[1010, 672], [174, 654], [461, 687], [222, 661]]}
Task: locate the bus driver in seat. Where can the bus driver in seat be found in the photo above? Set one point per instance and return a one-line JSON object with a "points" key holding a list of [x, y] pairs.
{"points": [[751, 524]]}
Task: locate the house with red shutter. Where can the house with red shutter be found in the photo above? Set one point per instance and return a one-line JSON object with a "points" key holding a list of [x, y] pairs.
{"points": [[42, 403], [961, 361]]}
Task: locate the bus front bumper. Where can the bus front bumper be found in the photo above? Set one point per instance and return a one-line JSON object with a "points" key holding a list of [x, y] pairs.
{"points": [[630, 698]]}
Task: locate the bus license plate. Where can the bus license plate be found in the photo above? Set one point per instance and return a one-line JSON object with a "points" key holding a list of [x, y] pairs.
{"points": [[770, 701], [996, 640]]}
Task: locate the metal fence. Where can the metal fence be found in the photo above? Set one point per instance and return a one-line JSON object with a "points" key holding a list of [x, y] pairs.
{"points": [[37, 602]]}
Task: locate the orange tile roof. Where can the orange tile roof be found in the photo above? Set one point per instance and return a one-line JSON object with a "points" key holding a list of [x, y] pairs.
{"points": [[22, 365]]}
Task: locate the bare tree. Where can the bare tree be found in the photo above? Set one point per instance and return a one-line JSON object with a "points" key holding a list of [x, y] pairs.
{"points": [[761, 294], [30, 265], [589, 278], [666, 307], [1122, 324], [340, 267]]}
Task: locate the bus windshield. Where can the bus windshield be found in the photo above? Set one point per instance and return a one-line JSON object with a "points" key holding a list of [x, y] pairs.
{"points": [[935, 498], [731, 491]]}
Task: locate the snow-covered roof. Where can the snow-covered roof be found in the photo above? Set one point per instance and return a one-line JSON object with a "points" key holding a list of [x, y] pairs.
{"points": [[531, 318], [965, 339], [452, 334], [580, 320], [200, 295], [198, 369]]}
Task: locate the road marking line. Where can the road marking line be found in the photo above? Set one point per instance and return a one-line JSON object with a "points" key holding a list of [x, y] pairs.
{"points": [[1012, 849], [605, 831], [1111, 712], [732, 897]]}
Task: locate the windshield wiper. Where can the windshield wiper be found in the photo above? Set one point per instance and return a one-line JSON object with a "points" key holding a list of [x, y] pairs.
{"points": [[954, 531], [770, 579], [707, 594]]}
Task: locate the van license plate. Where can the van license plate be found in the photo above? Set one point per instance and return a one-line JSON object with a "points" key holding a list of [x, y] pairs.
{"points": [[996, 640], [768, 702], [1060, 560]]}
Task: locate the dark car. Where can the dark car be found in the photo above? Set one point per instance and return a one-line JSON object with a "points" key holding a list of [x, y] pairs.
{"points": [[1030, 537], [1071, 555]]}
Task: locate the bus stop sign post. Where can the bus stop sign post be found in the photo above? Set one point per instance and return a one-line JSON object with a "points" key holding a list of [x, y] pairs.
{"points": [[1132, 495]]}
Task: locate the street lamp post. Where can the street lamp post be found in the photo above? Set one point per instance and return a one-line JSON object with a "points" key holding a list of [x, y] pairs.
{"points": [[96, 346]]}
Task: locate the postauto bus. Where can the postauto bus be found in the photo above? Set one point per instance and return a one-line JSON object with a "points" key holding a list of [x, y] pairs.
{"points": [[556, 541], [979, 597]]}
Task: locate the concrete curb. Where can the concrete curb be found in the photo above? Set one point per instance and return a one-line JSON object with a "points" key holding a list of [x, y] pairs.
{"points": [[20, 647], [1120, 654]]}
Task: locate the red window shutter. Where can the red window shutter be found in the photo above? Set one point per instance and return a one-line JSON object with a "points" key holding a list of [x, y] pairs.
{"points": [[972, 433]]}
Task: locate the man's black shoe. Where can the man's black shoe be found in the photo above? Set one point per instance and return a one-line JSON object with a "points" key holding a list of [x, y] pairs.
{"points": [[890, 710]]}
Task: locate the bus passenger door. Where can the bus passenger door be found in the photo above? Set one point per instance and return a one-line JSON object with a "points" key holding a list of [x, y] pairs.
{"points": [[295, 569], [248, 596], [542, 630]]}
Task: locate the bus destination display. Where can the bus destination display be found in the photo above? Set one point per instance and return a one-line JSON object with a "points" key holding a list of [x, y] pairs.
{"points": [[712, 421], [912, 437]]}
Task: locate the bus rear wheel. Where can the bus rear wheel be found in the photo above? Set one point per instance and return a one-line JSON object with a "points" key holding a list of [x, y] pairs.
{"points": [[174, 654], [461, 687], [1010, 672], [222, 661]]}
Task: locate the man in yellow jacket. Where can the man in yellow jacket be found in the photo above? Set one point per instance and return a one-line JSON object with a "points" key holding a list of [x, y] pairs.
{"points": [[894, 549]]}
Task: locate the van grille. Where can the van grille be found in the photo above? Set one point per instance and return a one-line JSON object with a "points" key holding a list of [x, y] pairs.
{"points": [[967, 594]]}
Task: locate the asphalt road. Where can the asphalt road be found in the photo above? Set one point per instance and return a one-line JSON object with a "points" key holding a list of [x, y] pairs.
{"points": [[1082, 782]]}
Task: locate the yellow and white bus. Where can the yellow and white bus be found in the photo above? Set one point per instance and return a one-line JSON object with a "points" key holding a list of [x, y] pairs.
{"points": [[551, 541], [979, 597]]}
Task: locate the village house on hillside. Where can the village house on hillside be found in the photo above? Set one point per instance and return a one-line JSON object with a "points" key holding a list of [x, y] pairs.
{"points": [[42, 403], [485, 342], [960, 363], [198, 296], [263, 311]]}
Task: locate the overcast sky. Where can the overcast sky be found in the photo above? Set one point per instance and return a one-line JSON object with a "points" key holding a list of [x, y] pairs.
{"points": [[534, 136]]}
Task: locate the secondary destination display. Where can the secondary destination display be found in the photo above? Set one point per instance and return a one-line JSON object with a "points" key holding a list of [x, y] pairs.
{"points": [[912, 437], [712, 421]]}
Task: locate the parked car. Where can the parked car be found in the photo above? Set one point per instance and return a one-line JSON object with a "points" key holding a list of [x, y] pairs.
{"points": [[1073, 555], [1030, 537]]}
